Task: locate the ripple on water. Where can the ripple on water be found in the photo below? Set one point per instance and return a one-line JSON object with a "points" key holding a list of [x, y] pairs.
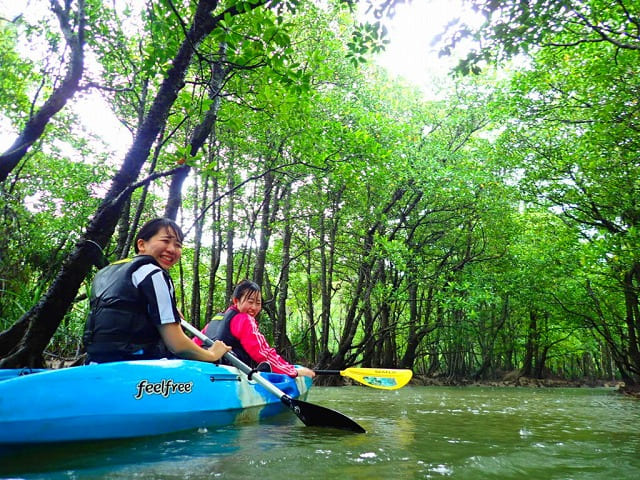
{"points": [[413, 433]]}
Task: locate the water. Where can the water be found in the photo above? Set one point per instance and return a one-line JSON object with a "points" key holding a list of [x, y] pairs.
{"points": [[413, 433]]}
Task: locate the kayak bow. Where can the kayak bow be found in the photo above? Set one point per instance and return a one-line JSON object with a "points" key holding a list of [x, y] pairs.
{"points": [[132, 399]]}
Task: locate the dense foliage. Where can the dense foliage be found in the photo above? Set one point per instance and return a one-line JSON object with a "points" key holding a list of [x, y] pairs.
{"points": [[492, 230]]}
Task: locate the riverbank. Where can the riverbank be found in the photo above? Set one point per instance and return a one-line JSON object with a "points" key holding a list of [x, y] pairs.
{"points": [[514, 380], [510, 379]]}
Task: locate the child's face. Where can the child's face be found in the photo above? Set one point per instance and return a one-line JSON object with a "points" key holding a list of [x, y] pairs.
{"points": [[164, 246], [251, 303]]}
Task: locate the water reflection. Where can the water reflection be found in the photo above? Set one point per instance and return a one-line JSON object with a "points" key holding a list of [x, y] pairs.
{"points": [[412, 433], [116, 458]]}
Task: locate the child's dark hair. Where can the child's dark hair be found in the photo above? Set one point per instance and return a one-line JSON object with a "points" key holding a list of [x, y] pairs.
{"points": [[245, 288], [152, 227]]}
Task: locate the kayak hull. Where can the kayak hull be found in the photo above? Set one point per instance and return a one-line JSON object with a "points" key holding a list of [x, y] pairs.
{"points": [[132, 399]]}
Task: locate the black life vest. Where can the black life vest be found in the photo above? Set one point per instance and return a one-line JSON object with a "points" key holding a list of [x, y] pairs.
{"points": [[118, 326], [219, 328]]}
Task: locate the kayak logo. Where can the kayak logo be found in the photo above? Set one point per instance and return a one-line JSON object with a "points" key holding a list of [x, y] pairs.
{"points": [[165, 388]]}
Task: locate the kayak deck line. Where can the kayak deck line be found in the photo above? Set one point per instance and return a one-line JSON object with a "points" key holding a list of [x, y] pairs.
{"points": [[131, 399], [213, 378]]}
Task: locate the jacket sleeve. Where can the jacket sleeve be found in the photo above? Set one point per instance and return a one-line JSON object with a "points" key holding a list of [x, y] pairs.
{"points": [[245, 329], [197, 340], [157, 288]]}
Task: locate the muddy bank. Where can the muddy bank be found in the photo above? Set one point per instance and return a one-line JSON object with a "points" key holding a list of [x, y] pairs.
{"points": [[517, 381]]}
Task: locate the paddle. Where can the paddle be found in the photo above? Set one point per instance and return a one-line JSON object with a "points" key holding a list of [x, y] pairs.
{"points": [[311, 415], [382, 378]]}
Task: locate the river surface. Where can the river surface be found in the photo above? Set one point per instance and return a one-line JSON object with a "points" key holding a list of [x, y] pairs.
{"points": [[413, 433]]}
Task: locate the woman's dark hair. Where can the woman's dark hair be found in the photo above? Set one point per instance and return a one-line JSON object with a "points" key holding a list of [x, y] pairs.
{"points": [[245, 288], [152, 227]]}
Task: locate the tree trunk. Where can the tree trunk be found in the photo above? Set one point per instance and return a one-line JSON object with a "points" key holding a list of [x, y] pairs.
{"points": [[419, 326], [281, 340], [45, 317], [387, 332], [311, 316], [490, 335], [363, 285], [230, 234], [632, 319], [531, 346], [368, 335], [216, 246], [325, 293], [34, 128], [197, 246], [265, 230]]}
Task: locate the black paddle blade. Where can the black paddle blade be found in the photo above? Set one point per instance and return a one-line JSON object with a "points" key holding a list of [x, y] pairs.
{"points": [[316, 416]]}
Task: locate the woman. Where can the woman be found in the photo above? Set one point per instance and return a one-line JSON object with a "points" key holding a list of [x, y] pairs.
{"points": [[238, 327], [133, 314]]}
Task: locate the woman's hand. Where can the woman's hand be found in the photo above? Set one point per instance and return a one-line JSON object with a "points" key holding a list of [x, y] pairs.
{"points": [[180, 345], [219, 348]]}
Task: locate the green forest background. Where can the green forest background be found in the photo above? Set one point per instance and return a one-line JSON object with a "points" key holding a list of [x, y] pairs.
{"points": [[493, 229]]}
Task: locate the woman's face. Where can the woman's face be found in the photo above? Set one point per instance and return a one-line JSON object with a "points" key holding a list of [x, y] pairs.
{"points": [[250, 303], [164, 246]]}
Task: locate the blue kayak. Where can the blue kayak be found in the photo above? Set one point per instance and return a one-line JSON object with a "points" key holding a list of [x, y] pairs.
{"points": [[133, 399]]}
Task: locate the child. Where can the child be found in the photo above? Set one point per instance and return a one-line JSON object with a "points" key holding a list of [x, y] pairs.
{"points": [[238, 328]]}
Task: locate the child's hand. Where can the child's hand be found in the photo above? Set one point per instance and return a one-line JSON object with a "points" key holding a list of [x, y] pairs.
{"points": [[305, 372]]}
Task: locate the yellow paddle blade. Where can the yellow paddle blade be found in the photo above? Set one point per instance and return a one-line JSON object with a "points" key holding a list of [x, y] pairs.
{"points": [[382, 378]]}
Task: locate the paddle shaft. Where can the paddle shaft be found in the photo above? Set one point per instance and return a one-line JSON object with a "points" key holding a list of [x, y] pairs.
{"points": [[308, 413], [236, 362]]}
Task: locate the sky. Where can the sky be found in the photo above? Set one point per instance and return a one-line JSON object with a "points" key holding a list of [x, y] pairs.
{"points": [[409, 55], [411, 31]]}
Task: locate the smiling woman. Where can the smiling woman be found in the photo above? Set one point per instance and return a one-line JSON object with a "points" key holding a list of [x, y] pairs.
{"points": [[162, 240], [134, 315]]}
